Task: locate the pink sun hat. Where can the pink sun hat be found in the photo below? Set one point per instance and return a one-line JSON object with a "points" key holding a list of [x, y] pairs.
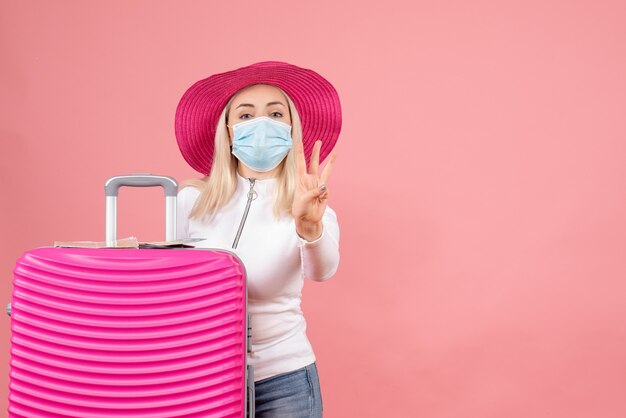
{"points": [[198, 111]]}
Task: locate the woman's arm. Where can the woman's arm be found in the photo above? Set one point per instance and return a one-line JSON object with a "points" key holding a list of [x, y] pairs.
{"points": [[320, 258]]}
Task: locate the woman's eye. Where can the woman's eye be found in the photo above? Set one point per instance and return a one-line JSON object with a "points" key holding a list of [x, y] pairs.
{"points": [[245, 116], [276, 115]]}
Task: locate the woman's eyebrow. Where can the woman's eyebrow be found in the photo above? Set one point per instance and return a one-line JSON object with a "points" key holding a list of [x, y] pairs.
{"points": [[267, 105]]}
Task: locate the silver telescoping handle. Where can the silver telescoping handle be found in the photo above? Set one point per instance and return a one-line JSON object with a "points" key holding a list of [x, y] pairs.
{"points": [[112, 186]]}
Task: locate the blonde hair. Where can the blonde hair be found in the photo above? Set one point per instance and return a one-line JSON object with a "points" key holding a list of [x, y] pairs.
{"points": [[217, 188]]}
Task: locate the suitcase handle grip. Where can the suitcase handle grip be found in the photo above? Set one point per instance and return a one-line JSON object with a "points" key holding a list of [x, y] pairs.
{"points": [[169, 184], [111, 189]]}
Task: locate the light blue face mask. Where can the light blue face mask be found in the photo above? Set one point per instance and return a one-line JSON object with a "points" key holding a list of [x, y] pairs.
{"points": [[261, 143]]}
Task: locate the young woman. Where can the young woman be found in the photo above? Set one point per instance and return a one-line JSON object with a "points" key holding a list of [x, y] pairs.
{"points": [[250, 132]]}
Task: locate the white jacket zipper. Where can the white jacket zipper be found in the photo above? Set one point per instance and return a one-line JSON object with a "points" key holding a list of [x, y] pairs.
{"points": [[251, 196]]}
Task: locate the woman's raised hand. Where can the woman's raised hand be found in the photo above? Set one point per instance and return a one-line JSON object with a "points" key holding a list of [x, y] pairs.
{"points": [[311, 193]]}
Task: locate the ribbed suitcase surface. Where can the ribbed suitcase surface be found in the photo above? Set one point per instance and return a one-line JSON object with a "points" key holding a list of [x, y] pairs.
{"points": [[128, 333]]}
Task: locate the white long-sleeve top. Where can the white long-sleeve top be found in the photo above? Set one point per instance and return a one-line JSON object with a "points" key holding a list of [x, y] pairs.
{"points": [[276, 260]]}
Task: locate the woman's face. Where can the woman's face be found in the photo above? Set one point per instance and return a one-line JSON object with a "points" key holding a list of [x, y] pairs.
{"points": [[258, 100]]}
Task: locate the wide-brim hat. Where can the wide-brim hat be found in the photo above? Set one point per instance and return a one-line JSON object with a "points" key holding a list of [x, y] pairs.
{"points": [[198, 111]]}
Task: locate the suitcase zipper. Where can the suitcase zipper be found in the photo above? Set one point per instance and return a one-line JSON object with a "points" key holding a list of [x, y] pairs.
{"points": [[251, 196]]}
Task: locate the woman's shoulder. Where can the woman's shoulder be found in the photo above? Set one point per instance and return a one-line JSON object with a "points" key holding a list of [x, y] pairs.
{"points": [[190, 188], [187, 196], [189, 191]]}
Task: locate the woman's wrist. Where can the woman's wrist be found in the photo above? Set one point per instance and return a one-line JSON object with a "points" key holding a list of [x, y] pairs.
{"points": [[309, 231]]}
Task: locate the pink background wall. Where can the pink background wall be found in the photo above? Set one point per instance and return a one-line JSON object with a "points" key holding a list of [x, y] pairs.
{"points": [[480, 183]]}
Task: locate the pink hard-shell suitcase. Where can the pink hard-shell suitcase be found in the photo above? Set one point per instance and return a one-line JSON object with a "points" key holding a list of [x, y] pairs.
{"points": [[135, 333]]}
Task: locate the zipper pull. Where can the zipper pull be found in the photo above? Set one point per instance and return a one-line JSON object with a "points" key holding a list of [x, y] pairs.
{"points": [[252, 193]]}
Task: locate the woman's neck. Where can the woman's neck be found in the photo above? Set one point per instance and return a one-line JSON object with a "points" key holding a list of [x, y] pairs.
{"points": [[247, 172]]}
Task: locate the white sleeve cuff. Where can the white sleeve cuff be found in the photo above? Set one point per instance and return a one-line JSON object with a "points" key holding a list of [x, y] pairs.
{"points": [[304, 243]]}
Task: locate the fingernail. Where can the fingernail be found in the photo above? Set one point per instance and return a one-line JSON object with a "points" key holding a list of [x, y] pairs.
{"points": [[322, 187]]}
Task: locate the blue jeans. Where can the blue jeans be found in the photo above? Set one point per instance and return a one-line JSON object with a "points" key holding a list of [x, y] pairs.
{"points": [[294, 394]]}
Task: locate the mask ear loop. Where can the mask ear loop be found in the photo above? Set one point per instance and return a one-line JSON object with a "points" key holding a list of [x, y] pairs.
{"points": [[230, 139]]}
